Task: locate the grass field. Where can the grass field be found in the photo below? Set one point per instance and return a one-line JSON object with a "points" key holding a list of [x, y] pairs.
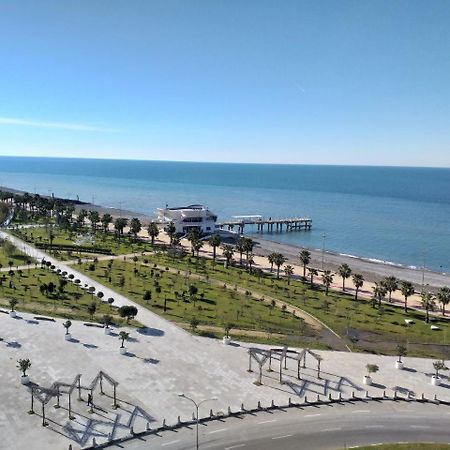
{"points": [[212, 304], [71, 303], [13, 255], [87, 238]]}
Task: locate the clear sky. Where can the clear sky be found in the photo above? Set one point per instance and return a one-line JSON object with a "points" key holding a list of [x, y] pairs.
{"points": [[326, 82]]}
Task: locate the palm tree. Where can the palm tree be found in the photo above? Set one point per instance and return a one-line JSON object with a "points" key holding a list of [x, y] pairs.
{"points": [[94, 218], [228, 252], [289, 271], [106, 220], [153, 231], [279, 260], [240, 247], [443, 297], [358, 282], [119, 224], [344, 272], [271, 258], [379, 292], [248, 247], [305, 258], [391, 285], [407, 289], [312, 272], [428, 304], [135, 227], [327, 279], [193, 236], [171, 231], [214, 242]]}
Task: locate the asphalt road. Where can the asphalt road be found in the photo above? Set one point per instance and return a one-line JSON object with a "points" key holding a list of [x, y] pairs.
{"points": [[325, 427]]}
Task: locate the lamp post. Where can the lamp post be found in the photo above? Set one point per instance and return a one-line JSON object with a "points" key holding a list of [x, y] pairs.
{"points": [[323, 250], [197, 406]]}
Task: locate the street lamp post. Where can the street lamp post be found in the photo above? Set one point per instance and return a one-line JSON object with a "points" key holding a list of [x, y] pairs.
{"points": [[197, 406]]}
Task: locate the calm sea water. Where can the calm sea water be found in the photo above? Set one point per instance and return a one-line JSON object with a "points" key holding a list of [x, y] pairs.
{"points": [[401, 215]]}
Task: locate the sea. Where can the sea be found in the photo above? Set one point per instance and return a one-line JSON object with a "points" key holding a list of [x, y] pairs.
{"points": [[399, 215]]}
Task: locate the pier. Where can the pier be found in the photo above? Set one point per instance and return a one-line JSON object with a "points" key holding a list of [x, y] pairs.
{"points": [[270, 225]]}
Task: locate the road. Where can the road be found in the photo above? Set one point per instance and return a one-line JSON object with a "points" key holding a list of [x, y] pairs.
{"points": [[325, 427]]}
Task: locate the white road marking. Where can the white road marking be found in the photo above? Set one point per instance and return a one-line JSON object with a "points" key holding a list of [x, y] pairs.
{"points": [[267, 421], [282, 437], [420, 426], [358, 411], [217, 431], [311, 415], [170, 443], [331, 429], [235, 446], [374, 426]]}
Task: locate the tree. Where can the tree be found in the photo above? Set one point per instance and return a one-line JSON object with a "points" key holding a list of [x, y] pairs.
{"points": [[123, 336], [94, 218], [407, 289], [12, 303], [312, 272], [107, 320], [171, 231], [391, 285], [147, 296], [358, 282], [227, 328], [379, 292], [106, 220], [23, 365], [128, 312], [248, 248], [289, 271], [371, 368], [228, 252], [82, 216], [271, 258], [153, 231], [428, 304], [279, 260], [443, 297], [91, 309], [194, 323], [67, 324], [305, 258], [135, 227], [240, 247], [214, 242], [401, 351], [327, 279], [438, 366], [119, 224], [345, 272], [193, 290]]}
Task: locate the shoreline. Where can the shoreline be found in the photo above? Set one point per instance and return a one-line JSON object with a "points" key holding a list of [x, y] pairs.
{"points": [[372, 269]]}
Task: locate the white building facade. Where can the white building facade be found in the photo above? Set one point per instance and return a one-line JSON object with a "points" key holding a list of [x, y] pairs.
{"points": [[186, 217]]}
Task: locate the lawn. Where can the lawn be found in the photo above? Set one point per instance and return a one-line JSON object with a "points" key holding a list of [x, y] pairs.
{"points": [[71, 303], [366, 327], [9, 253], [212, 304], [87, 239]]}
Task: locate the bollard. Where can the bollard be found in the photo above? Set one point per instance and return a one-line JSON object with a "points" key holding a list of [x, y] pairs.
{"points": [[109, 438], [408, 395], [423, 396], [94, 442], [395, 395], [179, 420], [259, 405], [211, 414], [242, 407], [132, 431], [147, 427], [318, 398], [70, 446], [306, 399], [272, 405], [329, 397], [289, 401], [384, 394], [367, 394], [353, 394], [340, 396], [229, 411], [193, 416], [435, 398], [164, 423]]}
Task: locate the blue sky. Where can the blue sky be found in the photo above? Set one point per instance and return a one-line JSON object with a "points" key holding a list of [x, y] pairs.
{"points": [[326, 82]]}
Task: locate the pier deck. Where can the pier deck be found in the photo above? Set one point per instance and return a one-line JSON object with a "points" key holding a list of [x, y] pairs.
{"points": [[290, 224]]}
